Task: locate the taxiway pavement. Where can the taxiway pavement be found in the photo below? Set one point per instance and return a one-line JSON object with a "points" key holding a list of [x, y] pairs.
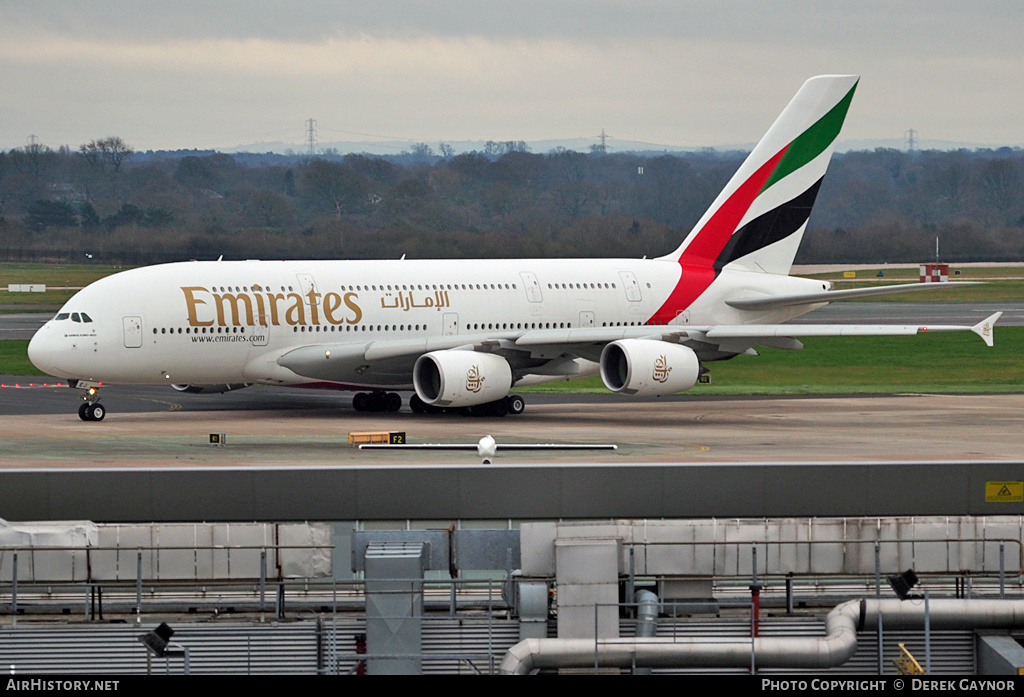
{"points": [[152, 427]]}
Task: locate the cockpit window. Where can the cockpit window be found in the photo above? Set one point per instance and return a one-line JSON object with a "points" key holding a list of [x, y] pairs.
{"points": [[73, 316]]}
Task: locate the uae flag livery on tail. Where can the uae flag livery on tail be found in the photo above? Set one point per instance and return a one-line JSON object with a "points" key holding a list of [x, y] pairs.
{"points": [[758, 220]]}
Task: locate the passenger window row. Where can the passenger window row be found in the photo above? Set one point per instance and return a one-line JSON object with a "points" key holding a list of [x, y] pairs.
{"points": [[350, 328], [431, 286], [571, 286], [199, 330]]}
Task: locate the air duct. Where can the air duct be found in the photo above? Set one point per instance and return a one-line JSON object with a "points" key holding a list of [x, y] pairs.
{"points": [[834, 649]]}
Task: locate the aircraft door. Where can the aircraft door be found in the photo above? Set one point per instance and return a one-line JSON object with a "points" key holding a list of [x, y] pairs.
{"points": [[631, 285], [586, 318], [532, 285], [261, 332], [451, 323], [308, 284], [132, 331]]}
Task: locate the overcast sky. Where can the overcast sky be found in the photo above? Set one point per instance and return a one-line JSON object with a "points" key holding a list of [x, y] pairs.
{"points": [[219, 73]]}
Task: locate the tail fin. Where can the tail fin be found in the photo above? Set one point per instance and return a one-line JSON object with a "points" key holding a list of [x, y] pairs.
{"points": [[758, 220]]}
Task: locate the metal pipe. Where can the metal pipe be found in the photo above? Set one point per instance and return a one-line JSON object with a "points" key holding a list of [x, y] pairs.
{"points": [[927, 635], [878, 571], [647, 605], [138, 587], [834, 649], [263, 583], [881, 647], [1002, 569], [14, 591]]}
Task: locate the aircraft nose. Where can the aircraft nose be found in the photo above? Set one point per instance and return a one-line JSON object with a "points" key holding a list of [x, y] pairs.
{"points": [[43, 353]]}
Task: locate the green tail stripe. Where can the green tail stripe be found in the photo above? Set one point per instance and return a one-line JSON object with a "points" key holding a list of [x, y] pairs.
{"points": [[809, 144]]}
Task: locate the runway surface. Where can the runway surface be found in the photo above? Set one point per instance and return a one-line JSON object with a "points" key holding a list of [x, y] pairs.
{"points": [[278, 427]]}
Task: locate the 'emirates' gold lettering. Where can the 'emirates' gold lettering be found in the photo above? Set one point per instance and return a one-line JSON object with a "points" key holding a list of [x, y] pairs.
{"points": [[296, 313], [233, 300], [313, 297], [350, 301], [193, 303], [206, 308]]}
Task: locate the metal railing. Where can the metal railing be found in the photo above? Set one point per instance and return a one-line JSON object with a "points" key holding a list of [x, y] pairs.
{"points": [[93, 583], [996, 570]]}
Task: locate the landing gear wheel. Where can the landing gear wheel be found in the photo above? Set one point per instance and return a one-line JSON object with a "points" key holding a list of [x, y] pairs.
{"points": [[393, 401], [516, 404], [499, 407], [82, 411], [417, 405], [96, 412], [376, 401], [359, 402]]}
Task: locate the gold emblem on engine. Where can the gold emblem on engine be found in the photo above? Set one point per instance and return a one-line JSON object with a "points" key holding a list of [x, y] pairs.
{"points": [[474, 380], [661, 369]]}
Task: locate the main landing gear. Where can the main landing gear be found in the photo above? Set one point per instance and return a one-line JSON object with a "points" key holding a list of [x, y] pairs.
{"points": [[91, 409], [377, 401], [512, 404]]}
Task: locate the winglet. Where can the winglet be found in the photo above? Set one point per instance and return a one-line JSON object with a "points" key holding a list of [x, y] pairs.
{"points": [[985, 326]]}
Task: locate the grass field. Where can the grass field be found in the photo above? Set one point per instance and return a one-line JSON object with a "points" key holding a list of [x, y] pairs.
{"points": [[941, 363], [53, 276], [14, 358], [947, 363], [994, 291], [1002, 284]]}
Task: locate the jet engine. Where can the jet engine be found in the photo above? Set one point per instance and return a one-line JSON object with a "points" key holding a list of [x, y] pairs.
{"points": [[461, 378], [646, 367], [210, 389]]}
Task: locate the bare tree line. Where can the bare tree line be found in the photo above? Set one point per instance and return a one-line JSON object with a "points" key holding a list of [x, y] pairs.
{"points": [[117, 205]]}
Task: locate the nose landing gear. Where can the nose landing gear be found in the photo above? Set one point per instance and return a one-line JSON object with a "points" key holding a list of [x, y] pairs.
{"points": [[91, 409]]}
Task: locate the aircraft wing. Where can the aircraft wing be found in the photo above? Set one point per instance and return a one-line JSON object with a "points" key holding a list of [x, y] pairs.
{"points": [[553, 351], [769, 302], [768, 331]]}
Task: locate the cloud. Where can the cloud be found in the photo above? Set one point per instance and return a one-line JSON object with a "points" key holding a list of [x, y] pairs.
{"points": [[201, 74], [985, 25]]}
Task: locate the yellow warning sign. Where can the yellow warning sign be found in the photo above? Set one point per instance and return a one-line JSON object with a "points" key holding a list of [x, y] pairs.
{"points": [[1004, 492], [850, 274]]}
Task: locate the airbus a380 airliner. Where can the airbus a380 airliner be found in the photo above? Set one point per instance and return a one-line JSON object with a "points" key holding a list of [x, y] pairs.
{"points": [[465, 333]]}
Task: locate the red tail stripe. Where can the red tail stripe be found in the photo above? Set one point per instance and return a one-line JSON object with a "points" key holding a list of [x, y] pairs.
{"points": [[712, 238], [697, 272]]}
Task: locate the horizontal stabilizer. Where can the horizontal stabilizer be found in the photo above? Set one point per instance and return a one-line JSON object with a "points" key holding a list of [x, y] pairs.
{"points": [[985, 326], [770, 302]]}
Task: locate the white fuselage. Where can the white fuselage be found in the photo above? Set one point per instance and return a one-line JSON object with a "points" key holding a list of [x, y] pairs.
{"points": [[228, 322]]}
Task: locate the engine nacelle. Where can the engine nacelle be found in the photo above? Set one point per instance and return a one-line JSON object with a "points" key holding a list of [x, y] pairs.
{"points": [[461, 378], [210, 389], [645, 367]]}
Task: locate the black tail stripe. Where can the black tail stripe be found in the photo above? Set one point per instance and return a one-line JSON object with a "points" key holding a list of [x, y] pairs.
{"points": [[770, 227]]}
